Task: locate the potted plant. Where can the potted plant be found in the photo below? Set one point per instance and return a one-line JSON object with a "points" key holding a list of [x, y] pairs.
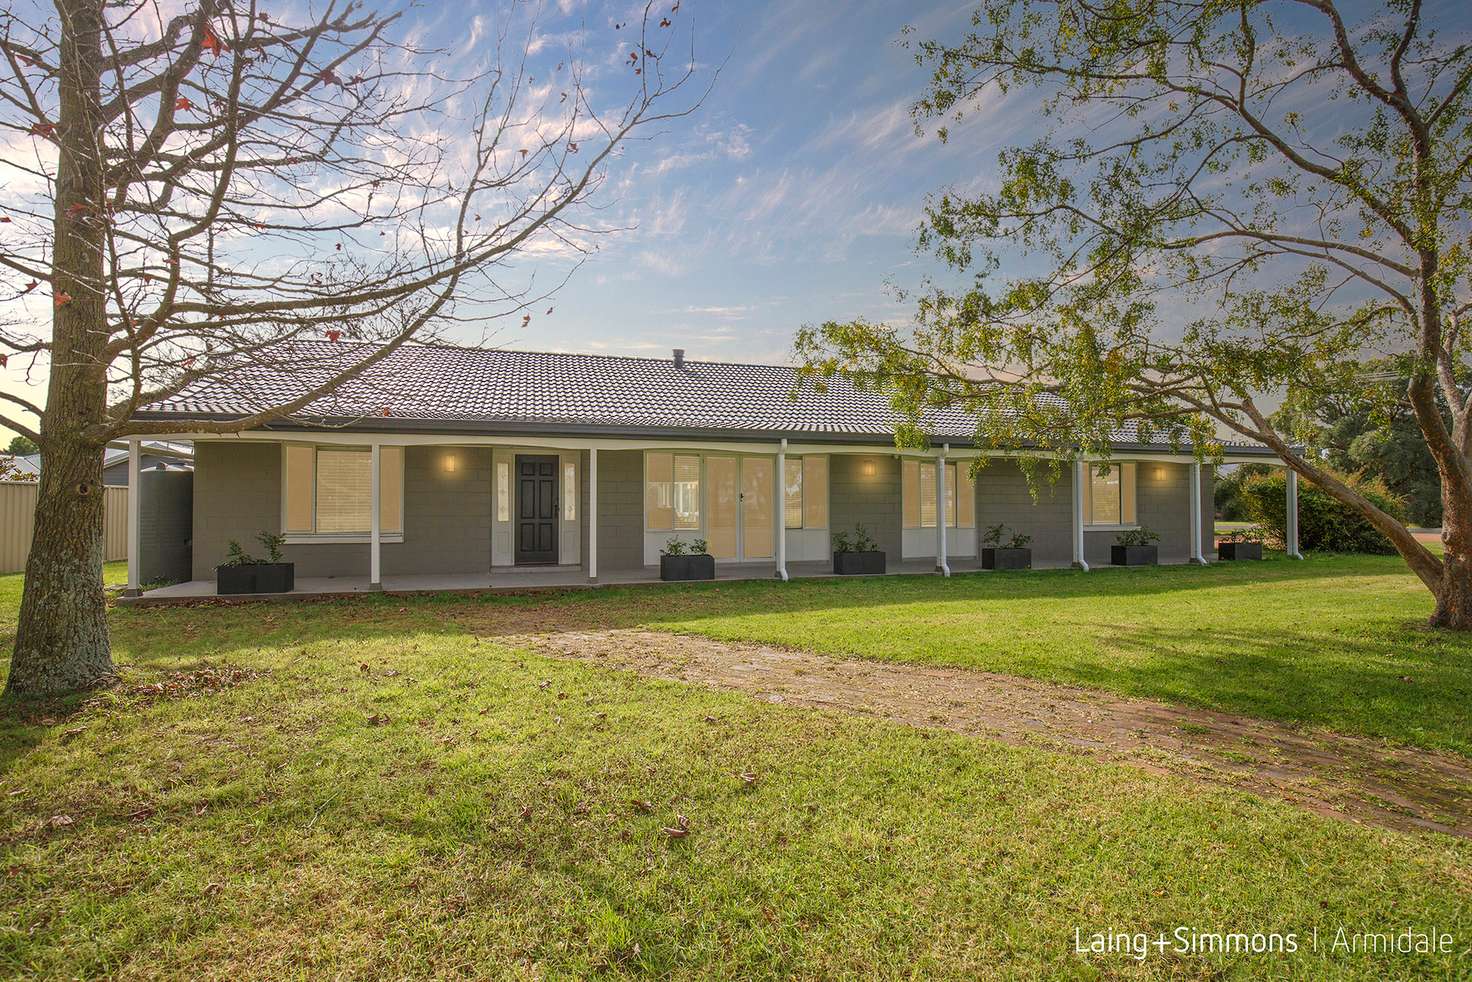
{"points": [[243, 573], [857, 556], [1014, 555], [1135, 547], [679, 561], [1240, 544]]}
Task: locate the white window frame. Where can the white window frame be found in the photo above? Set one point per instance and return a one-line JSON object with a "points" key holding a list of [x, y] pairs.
{"points": [[700, 492], [802, 494], [953, 490], [1133, 487], [307, 538]]}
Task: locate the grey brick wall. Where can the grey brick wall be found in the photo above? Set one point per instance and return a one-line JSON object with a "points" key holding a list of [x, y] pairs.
{"points": [[873, 501], [1002, 496], [620, 509], [165, 525], [1163, 505], [447, 517]]}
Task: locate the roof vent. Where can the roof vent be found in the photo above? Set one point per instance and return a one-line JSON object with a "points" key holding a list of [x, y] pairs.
{"points": [[679, 357]]}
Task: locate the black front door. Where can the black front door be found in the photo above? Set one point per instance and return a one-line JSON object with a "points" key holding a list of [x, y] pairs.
{"points": [[536, 510]]}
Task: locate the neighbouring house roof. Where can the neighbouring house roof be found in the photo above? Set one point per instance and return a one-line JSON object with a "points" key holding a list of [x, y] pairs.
{"points": [[456, 390], [155, 452]]}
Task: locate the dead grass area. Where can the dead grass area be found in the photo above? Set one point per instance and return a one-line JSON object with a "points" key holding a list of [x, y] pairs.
{"points": [[1329, 773]]}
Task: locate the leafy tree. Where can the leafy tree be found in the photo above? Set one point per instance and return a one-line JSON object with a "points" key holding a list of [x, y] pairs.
{"points": [[195, 191], [1223, 199], [1325, 523], [21, 446], [1227, 491], [1372, 430]]}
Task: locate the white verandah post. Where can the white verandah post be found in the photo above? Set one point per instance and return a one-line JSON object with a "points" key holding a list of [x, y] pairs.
{"points": [[940, 512], [1079, 467], [593, 515], [375, 578], [780, 509], [1292, 530], [1195, 485], [135, 494]]}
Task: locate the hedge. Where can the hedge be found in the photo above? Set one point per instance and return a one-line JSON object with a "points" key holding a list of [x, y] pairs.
{"points": [[1324, 524]]}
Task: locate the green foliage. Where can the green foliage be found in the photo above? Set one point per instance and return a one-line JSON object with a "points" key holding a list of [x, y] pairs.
{"points": [[1252, 533], [235, 555], [674, 547], [996, 533], [1371, 429], [272, 543], [22, 446], [1141, 536], [1324, 523], [699, 547], [1227, 491], [861, 541]]}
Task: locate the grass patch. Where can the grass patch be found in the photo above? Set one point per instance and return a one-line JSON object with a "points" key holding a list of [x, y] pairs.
{"points": [[363, 788], [1333, 641]]}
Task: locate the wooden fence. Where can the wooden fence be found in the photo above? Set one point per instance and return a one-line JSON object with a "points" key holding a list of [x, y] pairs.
{"points": [[17, 517]]}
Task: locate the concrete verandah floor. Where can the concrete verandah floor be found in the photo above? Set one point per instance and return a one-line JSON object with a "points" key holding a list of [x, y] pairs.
{"points": [[516, 578]]}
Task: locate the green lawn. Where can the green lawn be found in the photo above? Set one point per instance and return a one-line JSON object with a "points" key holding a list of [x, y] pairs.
{"points": [[394, 797], [1334, 641]]}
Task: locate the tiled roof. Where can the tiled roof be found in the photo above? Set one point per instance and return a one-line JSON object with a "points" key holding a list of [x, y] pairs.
{"points": [[487, 389]]}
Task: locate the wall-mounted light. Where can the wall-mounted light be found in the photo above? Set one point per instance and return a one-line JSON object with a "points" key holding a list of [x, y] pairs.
{"points": [[867, 468], [451, 463], [1160, 473]]}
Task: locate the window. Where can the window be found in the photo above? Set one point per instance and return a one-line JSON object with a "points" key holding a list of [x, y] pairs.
{"points": [[503, 491], [917, 490], [671, 492], [329, 491], [792, 493], [569, 492], [805, 492], [1111, 495], [815, 492]]}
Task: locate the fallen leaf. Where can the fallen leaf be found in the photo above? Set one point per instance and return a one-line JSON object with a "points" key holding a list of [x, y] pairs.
{"points": [[526, 813], [679, 830], [334, 335], [378, 719], [749, 777], [60, 821], [141, 814], [642, 807]]}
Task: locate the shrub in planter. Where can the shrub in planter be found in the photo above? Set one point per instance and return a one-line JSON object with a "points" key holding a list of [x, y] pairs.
{"points": [[857, 556], [243, 573], [1240, 544], [1014, 554], [1324, 524], [677, 561], [1135, 547]]}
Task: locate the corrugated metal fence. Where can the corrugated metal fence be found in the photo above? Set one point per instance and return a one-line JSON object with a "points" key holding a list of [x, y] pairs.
{"points": [[17, 517]]}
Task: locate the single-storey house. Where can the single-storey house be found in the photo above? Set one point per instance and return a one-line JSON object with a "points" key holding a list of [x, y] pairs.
{"points": [[445, 466]]}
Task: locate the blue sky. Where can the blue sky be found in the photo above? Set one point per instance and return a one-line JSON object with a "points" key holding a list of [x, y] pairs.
{"points": [[793, 196]]}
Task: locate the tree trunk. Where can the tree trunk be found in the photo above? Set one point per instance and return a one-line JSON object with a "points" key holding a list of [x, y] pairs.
{"points": [[61, 644], [1454, 595]]}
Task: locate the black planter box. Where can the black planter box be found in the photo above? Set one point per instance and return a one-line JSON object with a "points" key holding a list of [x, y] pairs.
{"points": [[255, 578], [1239, 550], [858, 563], [1134, 555], [1005, 558], [687, 567]]}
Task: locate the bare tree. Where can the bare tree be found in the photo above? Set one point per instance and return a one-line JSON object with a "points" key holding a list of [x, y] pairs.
{"points": [[192, 192]]}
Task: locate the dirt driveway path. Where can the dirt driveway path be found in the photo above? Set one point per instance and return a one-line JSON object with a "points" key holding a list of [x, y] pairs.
{"points": [[1344, 776]]}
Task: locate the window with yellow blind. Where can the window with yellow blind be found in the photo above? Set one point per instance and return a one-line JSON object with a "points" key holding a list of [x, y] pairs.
{"points": [[805, 492], [917, 494], [328, 491], [671, 492], [1109, 500]]}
